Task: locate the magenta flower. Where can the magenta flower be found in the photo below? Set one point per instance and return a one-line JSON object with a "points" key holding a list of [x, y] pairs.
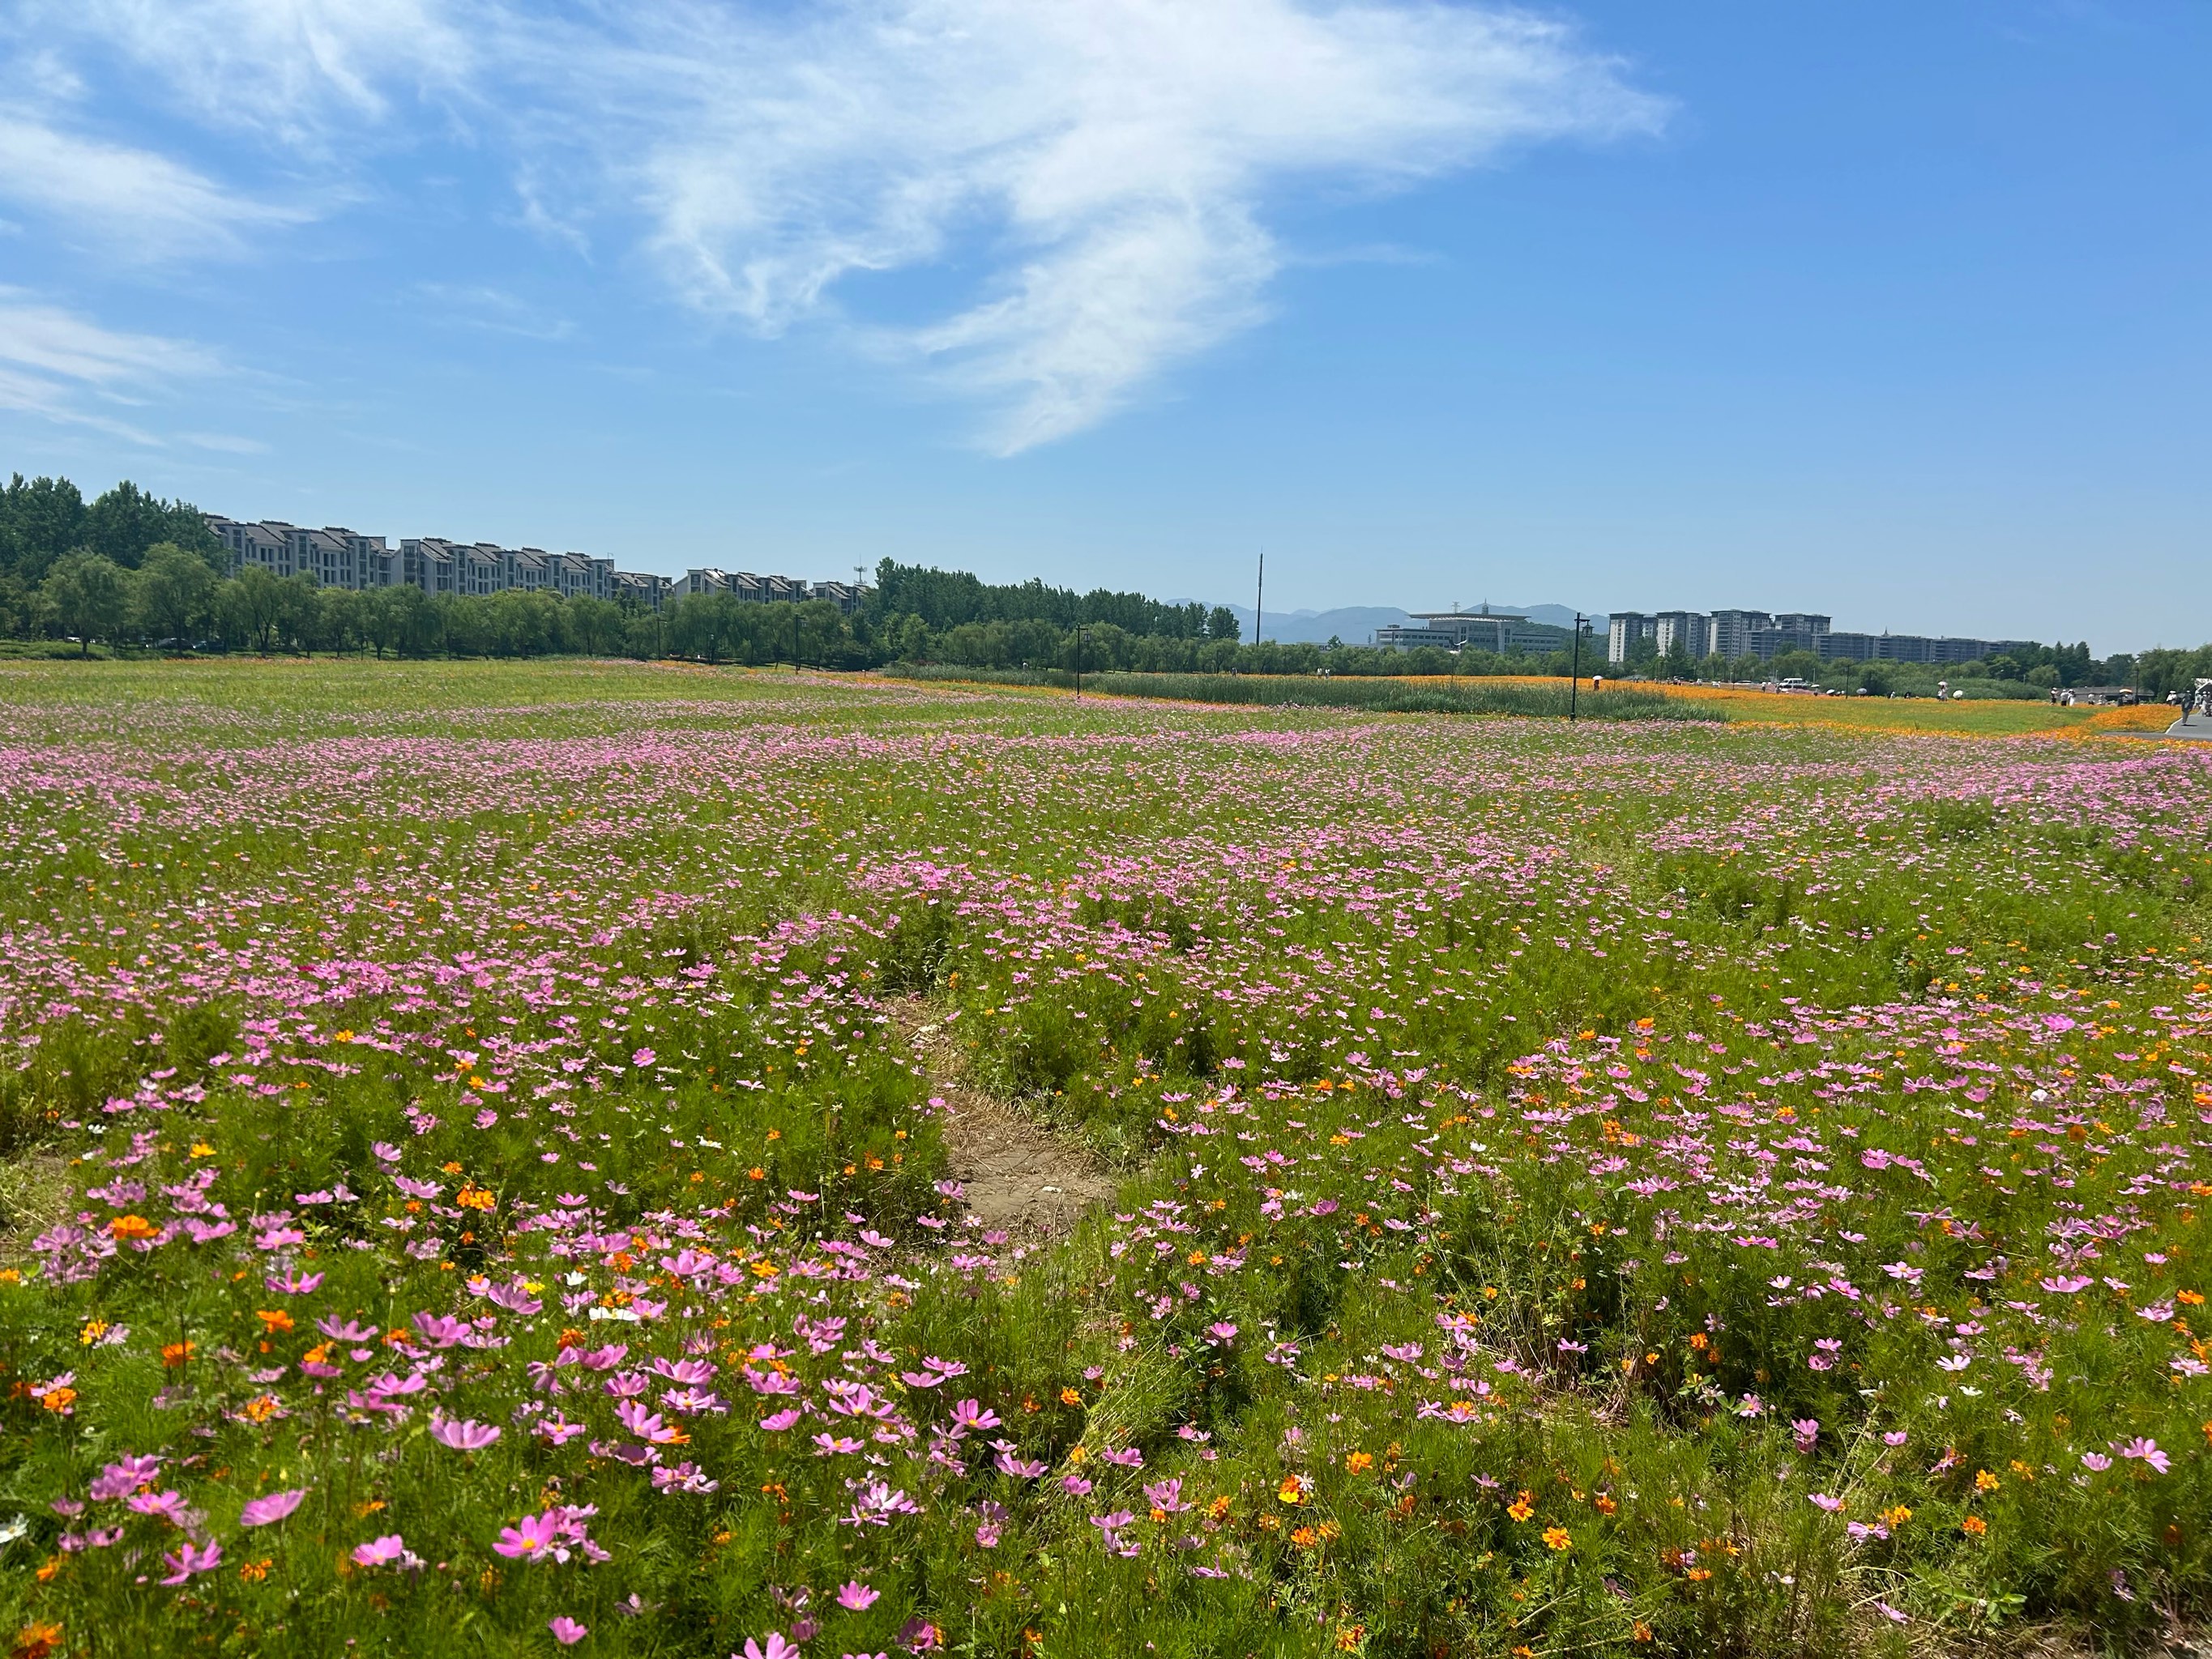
{"points": [[119, 1479], [528, 1538], [192, 1559], [1807, 1430], [777, 1648], [567, 1632], [2095, 1462], [857, 1598], [1223, 1333], [274, 1507], [1822, 1500], [2147, 1451], [462, 1435], [380, 1552], [972, 1414], [646, 1057]]}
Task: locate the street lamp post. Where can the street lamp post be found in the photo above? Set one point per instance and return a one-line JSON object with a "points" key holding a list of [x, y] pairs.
{"points": [[1575, 670]]}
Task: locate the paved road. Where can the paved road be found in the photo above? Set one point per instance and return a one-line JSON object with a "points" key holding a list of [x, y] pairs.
{"points": [[2198, 729]]}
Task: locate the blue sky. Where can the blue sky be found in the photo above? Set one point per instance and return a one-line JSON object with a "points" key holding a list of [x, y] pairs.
{"points": [[1900, 312]]}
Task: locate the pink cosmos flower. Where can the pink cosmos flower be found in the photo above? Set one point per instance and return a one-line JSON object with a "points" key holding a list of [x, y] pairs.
{"points": [[777, 1648], [380, 1552], [857, 1598], [274, 1507], [528, 1538], [192, 1559], [2147, 1451], [2095, 1462], [462, 1435], [972, 1414], [646, 1057], [567, 1632]]}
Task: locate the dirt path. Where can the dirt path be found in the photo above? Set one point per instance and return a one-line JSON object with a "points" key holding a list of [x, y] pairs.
{"points": [[1018, 1174]]}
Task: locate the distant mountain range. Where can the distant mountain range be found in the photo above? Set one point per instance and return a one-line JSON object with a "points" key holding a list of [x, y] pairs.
{"points": [[1353, 623]]}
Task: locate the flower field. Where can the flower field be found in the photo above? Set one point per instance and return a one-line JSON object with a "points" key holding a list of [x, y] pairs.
{"points": [[479, 1176]]}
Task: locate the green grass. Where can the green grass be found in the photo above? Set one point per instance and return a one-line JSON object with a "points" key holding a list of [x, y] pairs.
{"points": [[1535, 1103]]}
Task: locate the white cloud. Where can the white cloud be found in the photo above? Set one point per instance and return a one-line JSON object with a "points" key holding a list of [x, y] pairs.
{"points": [[67, 368], [1112, 160], [1088, 183], [293, 69], [494, 311], [138, 203]]}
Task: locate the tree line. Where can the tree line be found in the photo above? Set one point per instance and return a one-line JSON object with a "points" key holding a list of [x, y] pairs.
{"points": [[129, 570]]}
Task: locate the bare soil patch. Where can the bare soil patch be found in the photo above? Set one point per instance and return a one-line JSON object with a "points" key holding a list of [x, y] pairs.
{"points": [[1018, 1174]]}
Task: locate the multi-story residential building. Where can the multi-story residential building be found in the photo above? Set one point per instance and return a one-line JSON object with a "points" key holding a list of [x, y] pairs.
{"points": [[1503, 632], [642, 589], [337, 557], [1688, 632], [1768, 643], [1768, 635], [1731, 631], [1624, 631], [1850, 648]]}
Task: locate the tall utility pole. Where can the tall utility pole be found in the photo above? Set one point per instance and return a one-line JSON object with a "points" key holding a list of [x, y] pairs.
{"points": [[1258, 601], [1574, 673], [1078, 659]]}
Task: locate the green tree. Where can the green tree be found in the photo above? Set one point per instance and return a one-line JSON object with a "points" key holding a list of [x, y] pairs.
{"points": [[1221, 623], [176, 593], [22, 606], [596, 626], [40, 519], [340, 619], [252, 605], [418, 626], [126, 521], [467, 624], [90, 598], [300, 622]]}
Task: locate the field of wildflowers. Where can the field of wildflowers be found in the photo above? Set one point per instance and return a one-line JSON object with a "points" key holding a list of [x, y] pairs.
{"points": [[477, 1174]]}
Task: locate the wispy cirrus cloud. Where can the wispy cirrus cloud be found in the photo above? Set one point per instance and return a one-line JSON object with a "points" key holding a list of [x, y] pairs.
{"points": [[134, 202], [1087, 185], [62, 366], [294, 71], [1105, 167]]}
